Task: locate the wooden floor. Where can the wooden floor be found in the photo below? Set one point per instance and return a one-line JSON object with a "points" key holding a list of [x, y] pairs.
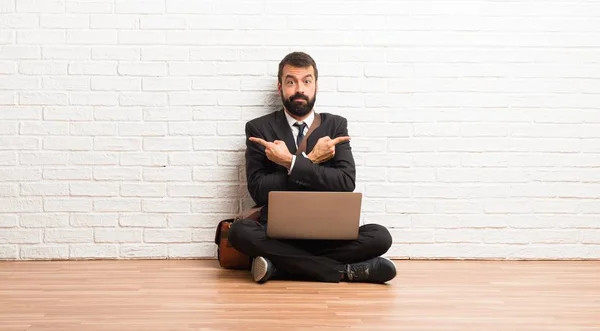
{"points": [[198, 295]]}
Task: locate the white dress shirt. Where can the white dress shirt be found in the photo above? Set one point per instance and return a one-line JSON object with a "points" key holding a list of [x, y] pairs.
{"points": [[296, 130]]}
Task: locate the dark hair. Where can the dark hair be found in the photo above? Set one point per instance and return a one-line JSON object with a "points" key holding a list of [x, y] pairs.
{"points": [[297, 59]]}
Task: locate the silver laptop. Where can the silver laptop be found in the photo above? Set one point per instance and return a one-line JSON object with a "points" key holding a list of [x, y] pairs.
{"points": [[314, 215]]}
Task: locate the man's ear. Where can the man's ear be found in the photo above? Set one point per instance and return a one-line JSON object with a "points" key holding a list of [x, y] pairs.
{"points": [[279, 87]]}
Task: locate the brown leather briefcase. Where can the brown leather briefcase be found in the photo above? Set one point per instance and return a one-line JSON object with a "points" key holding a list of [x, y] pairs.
{"points": [[228, 256]]}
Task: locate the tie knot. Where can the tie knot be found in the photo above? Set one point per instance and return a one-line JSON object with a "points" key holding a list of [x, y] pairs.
{"points": [[301, 125]]}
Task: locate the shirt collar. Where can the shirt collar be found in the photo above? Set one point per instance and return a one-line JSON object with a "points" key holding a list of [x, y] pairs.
{"points": [[309, 120]]}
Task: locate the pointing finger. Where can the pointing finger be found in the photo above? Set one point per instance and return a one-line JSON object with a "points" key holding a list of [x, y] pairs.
{"points": [[260, 141], [339, 140]]}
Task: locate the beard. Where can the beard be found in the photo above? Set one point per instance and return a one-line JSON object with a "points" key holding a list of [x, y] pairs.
{"points": [[298, 108]]}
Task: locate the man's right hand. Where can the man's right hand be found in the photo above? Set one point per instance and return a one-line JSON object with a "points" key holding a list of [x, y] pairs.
{"points": [[324, 150]]}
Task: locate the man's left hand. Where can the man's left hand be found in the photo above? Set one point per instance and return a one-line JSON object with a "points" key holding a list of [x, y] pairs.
{"points": [[276, 151]]}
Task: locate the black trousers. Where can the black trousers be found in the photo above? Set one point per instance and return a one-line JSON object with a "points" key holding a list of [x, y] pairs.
{"points": [[320, 260]]}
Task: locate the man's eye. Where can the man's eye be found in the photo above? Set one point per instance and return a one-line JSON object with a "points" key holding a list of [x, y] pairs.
{"points": [[290, 82], [307, 81]]}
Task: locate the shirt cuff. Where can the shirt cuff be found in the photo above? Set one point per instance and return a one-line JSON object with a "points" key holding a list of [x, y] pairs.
{"points": [[292, 166]]}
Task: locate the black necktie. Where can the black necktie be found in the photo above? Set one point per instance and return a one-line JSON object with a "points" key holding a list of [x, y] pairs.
{"points": [[301, 127]]}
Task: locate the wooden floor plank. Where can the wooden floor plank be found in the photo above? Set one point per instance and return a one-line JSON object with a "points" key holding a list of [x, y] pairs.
{"points": [[198, 295]]}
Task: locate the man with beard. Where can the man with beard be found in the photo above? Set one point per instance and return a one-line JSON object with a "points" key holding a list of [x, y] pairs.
{"points": [[272, 141]]}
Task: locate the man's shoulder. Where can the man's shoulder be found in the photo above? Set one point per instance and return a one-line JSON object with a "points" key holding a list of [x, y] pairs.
{"points": [[263, 119], [333, 118]]}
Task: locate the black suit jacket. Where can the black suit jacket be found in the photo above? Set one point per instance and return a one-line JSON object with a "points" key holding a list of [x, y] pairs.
{"points": [[264, 176]]}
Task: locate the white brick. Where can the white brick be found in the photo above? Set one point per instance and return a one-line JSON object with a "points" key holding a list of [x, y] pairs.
{"points": [[117, 236], [117, 173], [66, 83], [192, 69], [94, 220], [117, 204], [196, 158], [229, 207], [166, 205], [117, 114], [208, 113], [45, 252], [222, 54], [44, 220], [229, 158], [458, 207], [64, 21], [187, 221], [8, 221], [221, 174], [113, 22], [94, 189], [68, 205], [212, 83], [94, 98], [44, 129], [67, 174], [137, 37], [19, 143], [93, 251], [21, 113], [67, 143], [142, 69], [143, 159], [29, 236], [14, 52], [163, 22], [192, 129], [192, 250], [117, 144], [8, 252], [68, 114], [116, 53], [8, 159], [82, 158], [140, 7], [168, 114], [93, 68], [42, 98], [144, 190], [92, 37], [22, 174], [116, 84], [168, 174], [219, 143], [143, 251], [41, 37], [389, 160], [203, 235], [142, 129], [168, 236], [168, 144], [203, 190], [93, 129], [166, 84], [143, 99], [45, 189], [7, 98], [40, 6], [65, 53], [192, 99], [19, 82], [410, 207], [91, 7], [143, 220], [411, 175], [42, 68], [159, 53]]}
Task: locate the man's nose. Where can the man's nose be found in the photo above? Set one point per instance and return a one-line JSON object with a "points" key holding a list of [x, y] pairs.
{"points": [[299, 88]]}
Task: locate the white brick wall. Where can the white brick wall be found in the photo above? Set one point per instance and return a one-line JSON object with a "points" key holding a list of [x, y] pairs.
{"points": [[475, 124]]}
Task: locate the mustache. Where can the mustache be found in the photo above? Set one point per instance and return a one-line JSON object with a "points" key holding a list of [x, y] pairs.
{"points": [[299, 96]]}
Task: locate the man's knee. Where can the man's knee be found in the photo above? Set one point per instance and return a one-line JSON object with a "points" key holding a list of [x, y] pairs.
{"points": [[381, 239], [240, 232]]}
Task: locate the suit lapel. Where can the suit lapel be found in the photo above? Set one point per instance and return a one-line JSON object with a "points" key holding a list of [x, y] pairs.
{"points": [[283, 132]]}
